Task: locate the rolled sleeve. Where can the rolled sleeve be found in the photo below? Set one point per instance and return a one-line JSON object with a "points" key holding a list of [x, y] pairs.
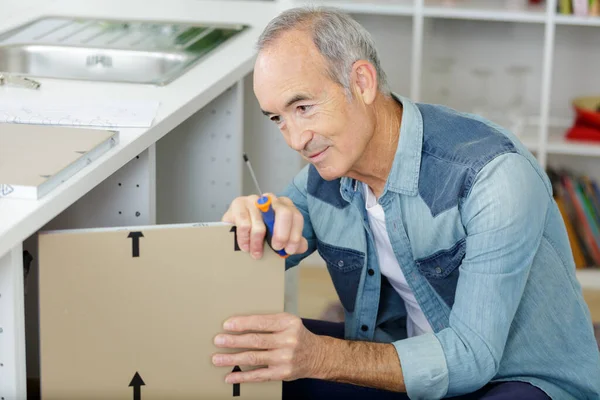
{"points": [[423, 366]]}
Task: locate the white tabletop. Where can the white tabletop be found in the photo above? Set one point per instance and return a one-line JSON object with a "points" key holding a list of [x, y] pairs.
{"points": [[178, 100]]}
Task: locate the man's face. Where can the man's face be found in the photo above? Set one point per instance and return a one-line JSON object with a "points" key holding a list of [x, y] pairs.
{"points": [[313, 112]]}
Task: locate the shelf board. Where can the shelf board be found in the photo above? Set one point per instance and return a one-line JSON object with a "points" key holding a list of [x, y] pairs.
{"points": [[376, 7], [589, 278], [576, 20], [483, 10], [557, 144], [487, 10]]}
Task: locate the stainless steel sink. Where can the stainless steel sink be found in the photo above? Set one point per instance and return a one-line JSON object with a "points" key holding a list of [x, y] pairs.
{"points": [[111, 51]]}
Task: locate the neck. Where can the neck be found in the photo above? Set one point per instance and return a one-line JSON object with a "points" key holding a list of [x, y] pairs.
{"points": [[374, 166]]}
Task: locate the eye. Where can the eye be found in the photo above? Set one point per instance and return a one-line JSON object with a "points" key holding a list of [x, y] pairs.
{"points": [[304, 108], [276, 119]]}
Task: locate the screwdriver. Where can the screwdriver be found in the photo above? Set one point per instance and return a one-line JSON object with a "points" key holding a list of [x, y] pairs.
{"points": [[264, 205]]}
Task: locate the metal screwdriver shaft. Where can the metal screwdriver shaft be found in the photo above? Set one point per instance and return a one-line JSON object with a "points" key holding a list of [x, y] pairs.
{"points": [[247, 161], [264, 205]]}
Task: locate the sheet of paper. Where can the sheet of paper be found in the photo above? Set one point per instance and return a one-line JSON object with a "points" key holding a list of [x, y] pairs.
{"points": [[113, 114]]}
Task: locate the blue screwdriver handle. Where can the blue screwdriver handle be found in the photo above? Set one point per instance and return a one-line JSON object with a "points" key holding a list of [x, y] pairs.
{"points": [[264, 205]]}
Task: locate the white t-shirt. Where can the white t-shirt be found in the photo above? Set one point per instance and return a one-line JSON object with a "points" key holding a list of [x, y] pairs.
{"points": [[416, 322]]}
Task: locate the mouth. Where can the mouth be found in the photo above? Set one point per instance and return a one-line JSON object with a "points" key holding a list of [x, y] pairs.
{"points": [[316, 156]]}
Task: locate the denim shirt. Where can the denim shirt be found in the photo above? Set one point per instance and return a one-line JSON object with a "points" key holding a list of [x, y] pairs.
{"points": [[482, 244]]}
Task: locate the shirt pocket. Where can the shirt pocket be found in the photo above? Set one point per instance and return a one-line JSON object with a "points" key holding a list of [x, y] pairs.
{"points": [[441, 270], [345, 267]]}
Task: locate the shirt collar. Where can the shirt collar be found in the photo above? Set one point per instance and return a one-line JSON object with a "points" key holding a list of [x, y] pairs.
{"points": [[404, 175]]}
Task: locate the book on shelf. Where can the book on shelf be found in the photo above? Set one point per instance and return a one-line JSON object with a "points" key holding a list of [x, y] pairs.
{"points": [[35, 159], [578, 199], [580, 8]]}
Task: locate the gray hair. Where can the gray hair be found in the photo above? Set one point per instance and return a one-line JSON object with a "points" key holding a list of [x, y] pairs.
{"points": [[339, 38]]}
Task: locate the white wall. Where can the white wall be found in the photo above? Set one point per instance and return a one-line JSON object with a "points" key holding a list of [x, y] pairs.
{"points": [[393, 38], [483, 44]]}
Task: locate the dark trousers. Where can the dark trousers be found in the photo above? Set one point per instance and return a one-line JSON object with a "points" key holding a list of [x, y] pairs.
{"points": [[315, 389]]}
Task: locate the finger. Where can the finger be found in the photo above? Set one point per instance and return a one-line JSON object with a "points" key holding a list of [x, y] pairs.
{"points": [[250, 341], [228, 217], [240, 216], [258, 231], [259, 323], [287, 201], [297, 243], [283, 225], [255, 375], [250, 358]]}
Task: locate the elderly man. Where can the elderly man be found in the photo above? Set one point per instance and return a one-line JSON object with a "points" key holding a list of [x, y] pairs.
{"points": [[439, 231]]}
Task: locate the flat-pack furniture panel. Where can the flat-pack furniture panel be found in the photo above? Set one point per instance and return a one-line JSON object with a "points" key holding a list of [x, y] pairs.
{"points": [[132, 313], [34, 159]]}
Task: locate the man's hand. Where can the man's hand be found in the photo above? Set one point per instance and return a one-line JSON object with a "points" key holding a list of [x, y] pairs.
{"points": [[251, 229], [284, 350], [279, 343]]}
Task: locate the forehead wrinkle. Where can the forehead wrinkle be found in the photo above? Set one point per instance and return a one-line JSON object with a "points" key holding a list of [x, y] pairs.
{"points": [[288, 66]]}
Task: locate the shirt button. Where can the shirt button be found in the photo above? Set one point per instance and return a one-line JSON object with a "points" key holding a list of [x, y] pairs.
{"points": [[371, 272], [340, 263], [438, 270], [364, 328]]}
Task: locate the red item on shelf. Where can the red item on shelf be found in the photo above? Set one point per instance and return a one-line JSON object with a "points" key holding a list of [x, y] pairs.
{"points": [[582, 130], [587, 120]]}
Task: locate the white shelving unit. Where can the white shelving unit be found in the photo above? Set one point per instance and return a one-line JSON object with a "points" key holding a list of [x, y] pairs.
{"points": [[575, 20], [560, 52], [381, 7], [483, 10]]}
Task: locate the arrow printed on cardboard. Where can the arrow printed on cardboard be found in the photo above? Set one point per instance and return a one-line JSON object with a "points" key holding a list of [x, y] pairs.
{"points": [[236, 246], [137, 382], [236, 386], [135, 243], [6, 189]]}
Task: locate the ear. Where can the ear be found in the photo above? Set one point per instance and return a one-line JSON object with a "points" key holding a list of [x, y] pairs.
{"points": [[364, 81]]}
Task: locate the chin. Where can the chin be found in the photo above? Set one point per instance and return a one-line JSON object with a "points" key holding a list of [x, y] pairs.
{"points": [[328, 173]]}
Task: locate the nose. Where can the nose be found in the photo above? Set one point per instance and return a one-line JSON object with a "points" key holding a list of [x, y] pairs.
{"points": [[299, 138]]}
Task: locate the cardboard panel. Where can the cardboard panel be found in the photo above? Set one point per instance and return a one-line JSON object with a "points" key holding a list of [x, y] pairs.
{"points": [[32, 153], [115, 303], [35, 159]]}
